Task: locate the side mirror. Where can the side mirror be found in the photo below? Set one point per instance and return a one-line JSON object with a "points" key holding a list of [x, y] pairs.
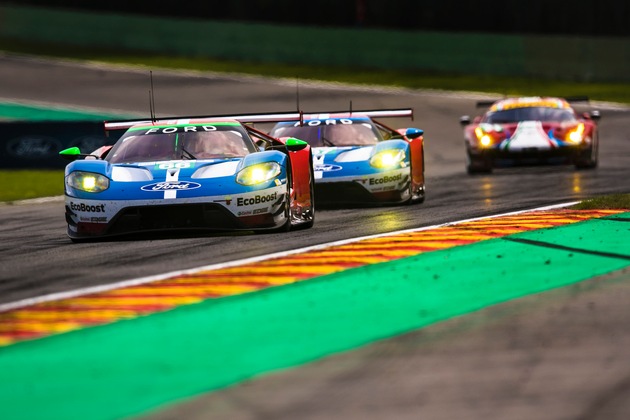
{"points": [[464, 120], [72, 153], [595, 115], [413, 133], [295, 145]]}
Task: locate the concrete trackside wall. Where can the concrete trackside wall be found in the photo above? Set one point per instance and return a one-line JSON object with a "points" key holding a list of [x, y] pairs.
{"points": [[564, 58]]}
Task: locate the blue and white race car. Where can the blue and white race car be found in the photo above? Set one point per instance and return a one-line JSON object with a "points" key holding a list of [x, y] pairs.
{"points": [[189, 174], [357, 159]]}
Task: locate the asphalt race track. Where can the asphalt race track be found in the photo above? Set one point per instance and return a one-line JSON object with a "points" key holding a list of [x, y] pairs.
{"points": [[36, 257]]}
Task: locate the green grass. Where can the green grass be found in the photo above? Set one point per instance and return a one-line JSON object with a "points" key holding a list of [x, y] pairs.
{"points": [[24, 184], [613, 201], [616, 92]]}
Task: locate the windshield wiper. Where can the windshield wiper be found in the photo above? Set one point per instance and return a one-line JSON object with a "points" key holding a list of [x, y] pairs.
{"points": [[187, 155], [327, 142]]}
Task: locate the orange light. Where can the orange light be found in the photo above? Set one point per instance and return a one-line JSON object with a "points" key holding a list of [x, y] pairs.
{"points": [[484, 139], [577, 134]]}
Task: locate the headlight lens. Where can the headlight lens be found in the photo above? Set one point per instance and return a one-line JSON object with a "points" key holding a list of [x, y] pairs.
{"points": [[87, 181], [484, 139], [387, 158], [576, 135], [258, 173]]}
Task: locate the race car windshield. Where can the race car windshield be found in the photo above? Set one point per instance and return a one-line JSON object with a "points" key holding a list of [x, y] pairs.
{"points": [[182, 142], [528, 114], [319, 134]]}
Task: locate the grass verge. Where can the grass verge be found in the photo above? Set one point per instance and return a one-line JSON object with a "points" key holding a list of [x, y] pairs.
{"points": [[25, 184], [615, 92], [613, 201]]}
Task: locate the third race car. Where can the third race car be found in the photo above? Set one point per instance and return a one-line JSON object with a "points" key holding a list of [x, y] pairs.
{"points": [[531, 130]]}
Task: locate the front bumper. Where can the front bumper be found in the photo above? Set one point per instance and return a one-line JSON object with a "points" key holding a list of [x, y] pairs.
{"points": [[384, 187], [263, 209], [503, 157]]}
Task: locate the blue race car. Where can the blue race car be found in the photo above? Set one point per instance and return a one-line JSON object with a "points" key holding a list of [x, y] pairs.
{"points": [[192, 173], [357, 159]]}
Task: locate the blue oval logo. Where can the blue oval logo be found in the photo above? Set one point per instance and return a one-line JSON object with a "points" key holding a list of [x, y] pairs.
{"points": [[327, 168], [171, 186]]}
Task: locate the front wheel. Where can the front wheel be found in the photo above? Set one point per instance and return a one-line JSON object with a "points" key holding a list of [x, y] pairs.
{"points": [[478, 165], [587, 159]]}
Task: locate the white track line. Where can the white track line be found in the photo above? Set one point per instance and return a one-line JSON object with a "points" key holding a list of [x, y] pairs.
{"points": [[151, 279]]}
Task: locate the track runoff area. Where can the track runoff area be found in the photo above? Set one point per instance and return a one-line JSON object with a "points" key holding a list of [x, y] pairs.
{"points": [[131, 347]]}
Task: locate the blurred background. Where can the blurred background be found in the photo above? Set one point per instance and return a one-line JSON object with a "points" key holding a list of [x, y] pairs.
{"points": [[578, 17]]}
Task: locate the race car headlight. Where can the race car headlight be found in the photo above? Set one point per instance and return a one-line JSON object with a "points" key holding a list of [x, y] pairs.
{"points": [[87, 181], [576, 135], [484, 139], [258, 173], [387, 158]]}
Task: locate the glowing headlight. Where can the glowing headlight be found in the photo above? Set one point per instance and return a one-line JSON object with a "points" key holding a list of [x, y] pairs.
{"points": [[87, 181], [258, 173], [577, 134], [484, 139], [387, 158]]}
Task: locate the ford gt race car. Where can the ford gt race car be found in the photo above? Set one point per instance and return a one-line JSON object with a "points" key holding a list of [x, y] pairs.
{"points": [[189, 174], [357, 159], [530, 130]]}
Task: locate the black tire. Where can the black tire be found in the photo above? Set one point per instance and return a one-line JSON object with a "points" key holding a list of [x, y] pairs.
{"points": [[587, 160], [477, 165], [309, 224], [286, 226]]}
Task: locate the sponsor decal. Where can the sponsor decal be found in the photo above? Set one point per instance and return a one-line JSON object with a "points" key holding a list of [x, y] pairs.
{"points": [[244, 213], [98, 219], [256, 199], [174, 165], [33, 147], [329, 121], [227, 200], [93, 208], [261, 210], [171, 186], [327, 168], [386, 179], [181, 129]]}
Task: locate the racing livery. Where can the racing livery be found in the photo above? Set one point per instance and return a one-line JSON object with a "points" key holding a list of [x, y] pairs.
{"points": [[530, 130], [358, 159], [189, 173]]}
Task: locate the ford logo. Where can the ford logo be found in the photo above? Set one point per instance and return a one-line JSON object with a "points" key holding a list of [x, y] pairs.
{"points": [[327, 168], [33, 147], [171, 186]]}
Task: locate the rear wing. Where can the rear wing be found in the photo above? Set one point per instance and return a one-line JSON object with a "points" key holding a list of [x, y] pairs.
{"points": [[243, 118], [372, 113], [271, 117]]}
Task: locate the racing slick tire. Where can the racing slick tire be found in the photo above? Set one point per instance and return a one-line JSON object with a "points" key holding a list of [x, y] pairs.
{"points": [[587, 159], [478, 164], [286, 226], [416, 197], [310, 223], [476, 167]]}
